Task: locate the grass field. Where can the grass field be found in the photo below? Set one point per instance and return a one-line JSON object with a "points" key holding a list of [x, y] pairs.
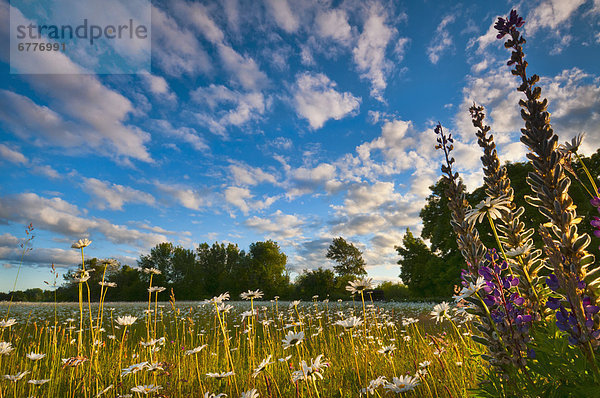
{"points": [[242, 349]]}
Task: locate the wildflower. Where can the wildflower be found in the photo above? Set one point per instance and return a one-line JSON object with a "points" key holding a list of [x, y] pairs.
{"points": [[81, 243], [318, 365], [374, 384], [493, 207], [220, 376], [360, 285], [250, 394], [247, 314], [350, 323], [17, 377], [38, 382], [471, 289], [222, 307], [285, 359], [34, 357], [146, 389], [5, 348], [572, 146], [292, 339], [73, 361], [251, 295], [220, 298], [408, 321], [134, 368], [262, 366], [440, 311], [103, 391], [82, 277], [153, 367], [152, 271], [506, 26], [157, 289], [294, 303], [310, 372], [210, 395], [388, 349], [195, 350], [126, 320], [6, 323], [402, 384], [519, 251], [107, 284], [424, 364], [152, 342]]}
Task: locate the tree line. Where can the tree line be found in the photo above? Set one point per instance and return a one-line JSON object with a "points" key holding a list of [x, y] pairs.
{"points": [[210, 270]]}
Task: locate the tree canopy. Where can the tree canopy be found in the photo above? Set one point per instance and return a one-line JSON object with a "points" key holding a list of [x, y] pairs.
{"points": [[347, 256]]}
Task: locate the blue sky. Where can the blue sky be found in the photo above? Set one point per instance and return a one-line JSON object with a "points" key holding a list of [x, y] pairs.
{"points": [[292, 121]]}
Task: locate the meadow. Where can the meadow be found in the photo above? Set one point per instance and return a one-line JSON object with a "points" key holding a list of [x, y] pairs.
{"points": [[243, 349]]}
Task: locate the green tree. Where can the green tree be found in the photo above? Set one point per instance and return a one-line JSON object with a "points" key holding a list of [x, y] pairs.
{"points": [[422, 271], [319, 282], [266, 268], [130, 286], [221, 267], [347, 256], [394, 291], [177, 266]]}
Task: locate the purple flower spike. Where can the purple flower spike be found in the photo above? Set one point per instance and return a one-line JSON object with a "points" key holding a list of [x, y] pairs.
{"points": [[553, 303], [552, 282], [505, 26], [595, 202]]}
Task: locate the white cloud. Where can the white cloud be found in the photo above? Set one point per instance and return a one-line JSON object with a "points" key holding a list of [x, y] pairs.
{"points": [[316, 100], [369, 54], [12, 254], [186, 134], [244, 174], [12, 155], [305, 180], [158, 86], [196, 14], [484, 41], [243, 69], [285, 18], [442, 40], [46, 170], [98, 114], [60, 216], [278, 225], [574, 102], [114, 196], [242, 198], [366, 198], [333, 24], [553, 14], [244, 107], [176, 50], [184, 195]]}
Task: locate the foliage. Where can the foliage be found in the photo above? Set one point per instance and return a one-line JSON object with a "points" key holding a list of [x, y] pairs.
{"points": [[347, 256], [319, 282], [395, 291], [422, 271]]}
